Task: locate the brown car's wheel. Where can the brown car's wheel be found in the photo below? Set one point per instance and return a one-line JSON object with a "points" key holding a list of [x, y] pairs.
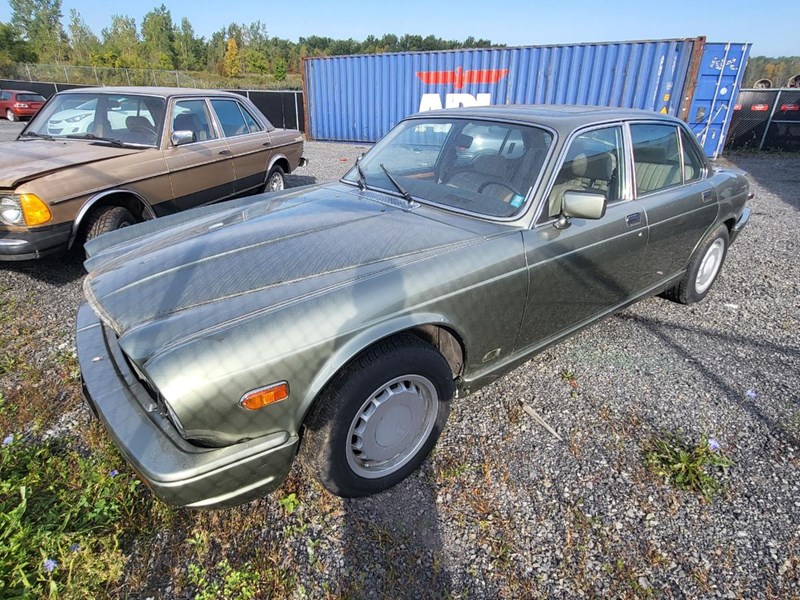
{"points": [[105, 219], [10, 115], [275, 180], [379, 418], [703, 270]]}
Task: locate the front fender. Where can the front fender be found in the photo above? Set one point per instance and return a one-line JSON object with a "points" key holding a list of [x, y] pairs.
{"points": [[360, 342]]}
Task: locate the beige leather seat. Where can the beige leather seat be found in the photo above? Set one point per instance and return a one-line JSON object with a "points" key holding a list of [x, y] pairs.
{"points": [[190, 122], [583, 173]]}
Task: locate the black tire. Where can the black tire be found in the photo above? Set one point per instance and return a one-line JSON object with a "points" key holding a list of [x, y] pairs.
{"points": [[276, 180], [10, 115], [326, 447], [106, 219], [686, 290]]}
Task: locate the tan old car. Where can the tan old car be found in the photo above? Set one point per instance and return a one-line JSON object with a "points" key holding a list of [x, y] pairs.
{"points": [[97, 159]]}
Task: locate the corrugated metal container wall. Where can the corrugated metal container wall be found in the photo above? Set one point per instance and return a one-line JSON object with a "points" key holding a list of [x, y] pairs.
{"points": [[718, 82], [359, 98]]}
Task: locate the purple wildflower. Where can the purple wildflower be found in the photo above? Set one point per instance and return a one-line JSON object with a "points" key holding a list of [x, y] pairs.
{"points": [[113, 473], [8, 440], [49, 565], [714, 445], [751, 394]]}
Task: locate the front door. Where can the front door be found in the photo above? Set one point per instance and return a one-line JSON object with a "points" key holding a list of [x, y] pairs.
{"points": [[592, 266], [200, 172]]}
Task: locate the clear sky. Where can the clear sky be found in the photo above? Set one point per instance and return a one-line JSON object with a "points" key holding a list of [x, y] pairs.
{"points": [[772, 26]]}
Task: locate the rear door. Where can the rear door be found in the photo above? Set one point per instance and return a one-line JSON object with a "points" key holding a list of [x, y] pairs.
{"points": [[672, 187], [200, 172], [248, 141], [582, 271], [4, 103]]}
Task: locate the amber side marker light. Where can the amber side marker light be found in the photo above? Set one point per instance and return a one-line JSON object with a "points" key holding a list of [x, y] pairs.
{"points": [[34, 210], [255, 399]]}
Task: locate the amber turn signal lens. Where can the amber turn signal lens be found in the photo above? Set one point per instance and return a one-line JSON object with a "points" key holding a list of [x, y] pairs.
{"points": [[35, 211], [265, 396]]}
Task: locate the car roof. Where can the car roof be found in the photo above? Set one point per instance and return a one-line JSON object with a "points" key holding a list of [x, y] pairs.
{"points": [[20, 91], [164, 92], [556, 116]]}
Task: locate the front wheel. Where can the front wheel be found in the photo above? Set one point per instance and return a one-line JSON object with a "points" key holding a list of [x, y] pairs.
{"points": [[703, 269], [10, 115], [379, 418], [106, 219]]}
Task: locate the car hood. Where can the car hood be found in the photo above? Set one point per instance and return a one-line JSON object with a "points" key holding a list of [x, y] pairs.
{"points": [[30, 159], [184, 277]]}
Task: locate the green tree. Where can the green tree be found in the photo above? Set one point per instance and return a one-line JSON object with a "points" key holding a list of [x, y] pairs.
{"points": [[84, 44], [231, 66], [279, 69], [39, 23], [121, 43], [190, 49], [158, 39]]}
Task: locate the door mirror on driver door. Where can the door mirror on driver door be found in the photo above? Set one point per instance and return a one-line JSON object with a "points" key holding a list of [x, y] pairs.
{"points": [[181, 137], [583, 205]]}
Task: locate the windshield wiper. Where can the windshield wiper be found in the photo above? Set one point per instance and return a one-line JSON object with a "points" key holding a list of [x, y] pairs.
{"points": [[44, 136], [403, 191], [98, 138], [362, 179]]}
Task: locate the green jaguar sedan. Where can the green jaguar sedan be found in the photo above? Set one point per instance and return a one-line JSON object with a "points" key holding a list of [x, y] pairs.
{"points": [[341, 321]]}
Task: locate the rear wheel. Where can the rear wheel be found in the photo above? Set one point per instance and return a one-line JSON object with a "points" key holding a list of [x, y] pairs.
{"points": [[275, 180], [704, 267], [379, 418], [10, 115], [105, 219]]}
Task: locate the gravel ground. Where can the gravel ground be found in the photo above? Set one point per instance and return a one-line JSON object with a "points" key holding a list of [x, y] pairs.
{"points": [[503, 508]]}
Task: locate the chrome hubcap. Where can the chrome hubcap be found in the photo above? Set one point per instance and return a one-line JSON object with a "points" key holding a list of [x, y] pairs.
{"points": [[710, 266], [275, 183], [391, 427]]}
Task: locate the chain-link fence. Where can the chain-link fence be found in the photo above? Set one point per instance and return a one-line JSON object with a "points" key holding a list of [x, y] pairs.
{"points": [[105, 76], [766, 119]]}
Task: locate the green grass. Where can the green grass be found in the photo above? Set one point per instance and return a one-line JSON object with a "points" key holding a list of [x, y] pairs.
{"points": [[685, 466], [61, 517]]}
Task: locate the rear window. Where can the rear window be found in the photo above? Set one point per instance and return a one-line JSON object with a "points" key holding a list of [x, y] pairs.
{"points": [[30, 98]]}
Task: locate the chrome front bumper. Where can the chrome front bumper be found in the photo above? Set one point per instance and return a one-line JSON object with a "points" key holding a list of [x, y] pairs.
{"points": [[176, 471]]}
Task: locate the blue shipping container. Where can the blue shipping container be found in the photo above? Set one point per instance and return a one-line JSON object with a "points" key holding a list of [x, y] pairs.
{"points": [[360, 98], [718, 82]]}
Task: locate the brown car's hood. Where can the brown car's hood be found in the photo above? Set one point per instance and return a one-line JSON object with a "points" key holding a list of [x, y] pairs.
{"points": [[222, 263], [30, 159]]}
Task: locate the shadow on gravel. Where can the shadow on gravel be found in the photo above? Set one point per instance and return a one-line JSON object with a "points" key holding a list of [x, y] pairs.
{"points": [[56, 271], [299, 180], [660, 329], [393, 545]]}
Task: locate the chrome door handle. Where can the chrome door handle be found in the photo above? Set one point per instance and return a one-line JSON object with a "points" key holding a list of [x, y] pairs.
{"points": [[225, 152], [633, 219]]}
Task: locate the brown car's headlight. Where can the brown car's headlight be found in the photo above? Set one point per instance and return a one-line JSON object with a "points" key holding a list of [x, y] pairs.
{"points": [[23, 209]]}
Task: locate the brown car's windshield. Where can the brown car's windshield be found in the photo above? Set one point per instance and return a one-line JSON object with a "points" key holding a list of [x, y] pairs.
{"points": [[131, 119], [484, 167]]}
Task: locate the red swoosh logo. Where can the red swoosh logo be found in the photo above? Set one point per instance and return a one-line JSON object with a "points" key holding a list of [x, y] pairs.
{"points": [[459, 78]]}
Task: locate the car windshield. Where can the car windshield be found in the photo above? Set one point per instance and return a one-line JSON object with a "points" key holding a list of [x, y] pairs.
{"points": [[130, 119], [483, 167]]}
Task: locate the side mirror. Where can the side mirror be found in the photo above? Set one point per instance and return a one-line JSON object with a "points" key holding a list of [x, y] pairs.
{"points": [[181, 137], [581, 205]]}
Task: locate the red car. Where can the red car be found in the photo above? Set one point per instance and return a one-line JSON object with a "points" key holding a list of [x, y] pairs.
{"points": [[15, 104]]}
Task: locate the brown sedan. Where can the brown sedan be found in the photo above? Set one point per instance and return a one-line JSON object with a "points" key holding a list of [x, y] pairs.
{"points": [[97, 159]]}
